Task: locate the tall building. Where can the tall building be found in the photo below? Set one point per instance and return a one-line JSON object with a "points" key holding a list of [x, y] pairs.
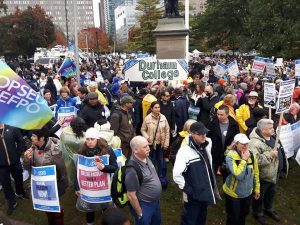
{"points": [[125, 18], [58, 10], [197, 6]]}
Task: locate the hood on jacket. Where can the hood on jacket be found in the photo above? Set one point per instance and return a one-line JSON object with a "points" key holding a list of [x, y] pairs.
{"points": [[115, 80]]}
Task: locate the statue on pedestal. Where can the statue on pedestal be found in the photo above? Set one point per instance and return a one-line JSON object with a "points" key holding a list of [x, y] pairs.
{"points": [[171, 8]]}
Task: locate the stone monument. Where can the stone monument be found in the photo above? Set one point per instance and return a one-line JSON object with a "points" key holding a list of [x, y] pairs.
{"points": [[171, 33]]}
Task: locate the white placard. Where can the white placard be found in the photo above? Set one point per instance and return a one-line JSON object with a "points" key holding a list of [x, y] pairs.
{"points": [[269, 95], [285, 95]]}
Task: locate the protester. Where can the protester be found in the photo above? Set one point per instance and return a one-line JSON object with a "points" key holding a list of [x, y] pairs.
{"points": [[244, 172], [181, 106], [194, 175], [96, 146], [293, 115], [145, 198], [64, 101], [115, 216], [122, 124], [222, 130], [229, 100], [50, 85], [156, 130], [138, 110], [271, 163], [93, 110], [245, 111], [72, 140], [93, 88], [45, 151], [48, 97], [11, 148]]}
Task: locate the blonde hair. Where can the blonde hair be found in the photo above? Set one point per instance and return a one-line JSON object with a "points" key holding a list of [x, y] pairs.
{"points": [[187, 124]]}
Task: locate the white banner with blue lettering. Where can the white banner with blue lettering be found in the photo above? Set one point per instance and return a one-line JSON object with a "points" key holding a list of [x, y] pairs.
{"points": [[220, 69], [233, 68], [94, 184], [44, 189], [289, 138], [297, 68], [66, 115]]}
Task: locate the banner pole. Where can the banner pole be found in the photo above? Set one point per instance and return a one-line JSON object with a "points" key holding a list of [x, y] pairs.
{"points": [[278, 131], [270, 113]]}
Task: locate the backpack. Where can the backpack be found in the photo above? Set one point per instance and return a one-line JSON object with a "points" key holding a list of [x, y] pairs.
{"points": [[118, 188], [225, 171], [174, 149]]}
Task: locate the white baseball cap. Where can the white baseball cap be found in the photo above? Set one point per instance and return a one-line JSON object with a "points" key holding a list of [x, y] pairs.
{"points": [[92, 133], [241, 138]]}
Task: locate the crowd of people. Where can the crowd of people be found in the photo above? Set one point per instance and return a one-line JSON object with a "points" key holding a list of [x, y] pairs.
{"points": [[207, 126]]}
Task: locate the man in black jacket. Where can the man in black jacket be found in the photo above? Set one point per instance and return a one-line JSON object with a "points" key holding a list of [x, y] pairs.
{"points": [[92, 111], [206, 104], [222, 130], [11, 147]]}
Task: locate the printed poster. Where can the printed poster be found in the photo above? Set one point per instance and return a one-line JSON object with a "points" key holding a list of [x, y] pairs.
{"points": [[233, 68], [270, 68], [289, 138], [269, 95], [44, 189], [220, 69], [259, 65], [94, 184], [284, 101], [297, 68], [66, 115]]}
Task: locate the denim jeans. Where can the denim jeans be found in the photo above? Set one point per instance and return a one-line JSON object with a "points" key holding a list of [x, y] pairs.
{"points": [[151, 213], [157, 158]]}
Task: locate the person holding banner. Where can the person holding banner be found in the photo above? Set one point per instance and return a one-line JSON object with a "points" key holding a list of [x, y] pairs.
{"points": [[65, 100], [96, 146], [45, 151], [245, 111], [271, 163]]}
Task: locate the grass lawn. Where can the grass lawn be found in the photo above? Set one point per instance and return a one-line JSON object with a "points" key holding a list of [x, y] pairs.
{"points": [[287, 204]]}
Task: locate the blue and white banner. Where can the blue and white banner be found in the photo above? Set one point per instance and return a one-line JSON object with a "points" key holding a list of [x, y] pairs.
{"points": [[44, 189], [259, 65], [270, 68], [94, 184], [289, 138], [233, 68], [66, 114], [285, 95], [120, 157], [220, 69], [297, 68], [156, 69]]}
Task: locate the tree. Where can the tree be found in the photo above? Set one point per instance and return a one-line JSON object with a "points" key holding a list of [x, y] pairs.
{"points": [[3, 7], [147, 19], [95, 38], [26, 30], [60, 38]]}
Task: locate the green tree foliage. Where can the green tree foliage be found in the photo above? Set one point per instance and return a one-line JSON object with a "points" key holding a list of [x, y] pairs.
{"points": [[271, 27], [25, 30], [143, 39]]}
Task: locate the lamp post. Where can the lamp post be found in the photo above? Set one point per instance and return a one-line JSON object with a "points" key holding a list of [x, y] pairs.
{"points": [[97, 46], [86, 42], [67, 27]]}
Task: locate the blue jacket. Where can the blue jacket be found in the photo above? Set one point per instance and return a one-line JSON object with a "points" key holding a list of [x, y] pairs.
{"points": [[193, 173], [65, 103], [115, 87]]}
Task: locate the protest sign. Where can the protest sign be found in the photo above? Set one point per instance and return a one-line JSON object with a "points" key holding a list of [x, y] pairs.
{"points": [[220, 69], [298, 157], [67, 68], [20, 105], [289, 138], [44, 189], [270, 68], [297, 68], [259, 65], [279, 62], [66, 114], [269, 95], [285, 95], [233, 68], [94, 184], [156, 69]]}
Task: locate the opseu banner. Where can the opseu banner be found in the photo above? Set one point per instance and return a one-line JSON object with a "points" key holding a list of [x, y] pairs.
{"points": [[285, 95], [270, 68], [20, 105], [297, 68], [94, 184], [259, 65], [156, 69], [44, 189], [233, 68]]}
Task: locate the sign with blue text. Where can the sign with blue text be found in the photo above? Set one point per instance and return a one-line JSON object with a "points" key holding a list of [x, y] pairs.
{"points": [[44, 189]]}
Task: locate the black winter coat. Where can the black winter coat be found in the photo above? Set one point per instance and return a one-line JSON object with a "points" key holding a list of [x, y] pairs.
{"points": [[11, 146], [206, 104], [214, 134], [181, 107], [168, 111], [91, 114]]}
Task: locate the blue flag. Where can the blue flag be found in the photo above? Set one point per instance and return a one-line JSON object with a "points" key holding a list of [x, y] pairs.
{"points": [[67, 68]]}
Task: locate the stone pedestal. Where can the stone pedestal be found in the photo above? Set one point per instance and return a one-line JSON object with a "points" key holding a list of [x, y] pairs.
{"points": [[171, 35]]}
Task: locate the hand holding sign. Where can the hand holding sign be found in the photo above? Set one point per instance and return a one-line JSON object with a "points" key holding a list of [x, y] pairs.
{"points": [[99, 163]]}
